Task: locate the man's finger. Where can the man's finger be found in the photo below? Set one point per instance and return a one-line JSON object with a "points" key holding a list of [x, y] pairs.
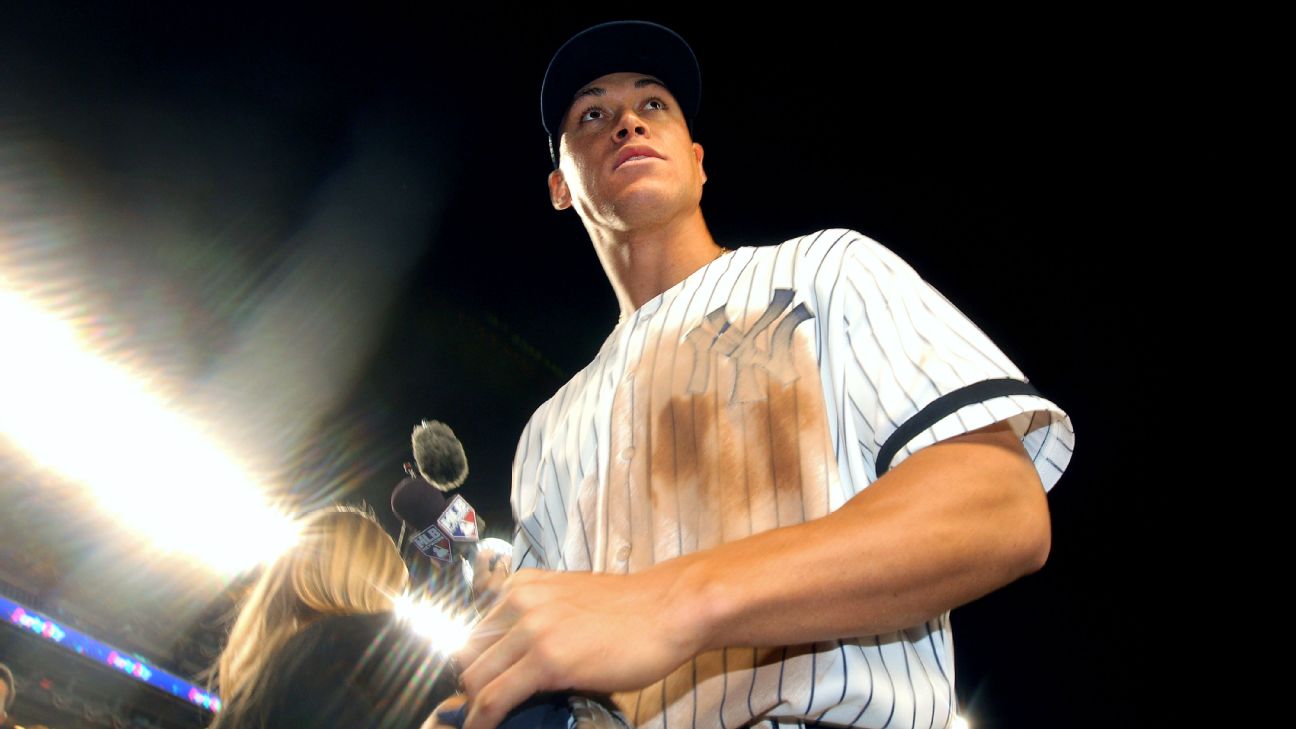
{"points": [[487, 631], [489, 707], [493, 661]]}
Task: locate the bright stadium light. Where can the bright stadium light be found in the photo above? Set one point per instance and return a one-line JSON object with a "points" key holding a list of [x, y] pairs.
{"points": [[146, 465], [447, 632], [961, 723]]}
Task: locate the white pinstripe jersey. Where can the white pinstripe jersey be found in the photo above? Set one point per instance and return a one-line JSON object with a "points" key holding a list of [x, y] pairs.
{"points": [[764, 390]]}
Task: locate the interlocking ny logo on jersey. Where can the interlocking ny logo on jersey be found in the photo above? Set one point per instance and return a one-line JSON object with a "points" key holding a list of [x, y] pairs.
{"points": [[717, 334]]}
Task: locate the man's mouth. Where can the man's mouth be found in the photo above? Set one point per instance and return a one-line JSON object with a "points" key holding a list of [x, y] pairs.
{"points": [[635, 155]]}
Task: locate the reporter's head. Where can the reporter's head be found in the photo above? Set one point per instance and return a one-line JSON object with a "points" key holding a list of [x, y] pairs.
{"points": [[344, 564], [7, 692]]}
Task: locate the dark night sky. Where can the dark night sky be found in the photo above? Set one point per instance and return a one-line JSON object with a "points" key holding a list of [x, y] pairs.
{"points": [[191, 160]]}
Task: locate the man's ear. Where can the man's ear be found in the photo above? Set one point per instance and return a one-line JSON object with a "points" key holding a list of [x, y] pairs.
{"points": [[698, 152], [559, 195]]}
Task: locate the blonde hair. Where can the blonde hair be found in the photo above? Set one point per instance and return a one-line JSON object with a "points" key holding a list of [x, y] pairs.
{"points": [[344, 564]]}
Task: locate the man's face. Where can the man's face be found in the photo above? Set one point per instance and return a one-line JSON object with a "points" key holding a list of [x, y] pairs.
{"points": [[625, 154], [4, 699]]}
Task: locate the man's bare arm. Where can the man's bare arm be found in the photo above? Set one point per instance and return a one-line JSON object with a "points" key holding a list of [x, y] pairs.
{"points": [[952, 522]]}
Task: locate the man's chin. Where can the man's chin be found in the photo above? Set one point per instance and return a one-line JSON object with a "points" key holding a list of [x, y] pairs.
{"points": [[647, 199]]}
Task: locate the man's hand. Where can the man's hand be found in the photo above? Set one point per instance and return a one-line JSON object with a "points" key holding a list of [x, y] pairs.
{"points": [[552, 631], [948, 524]]}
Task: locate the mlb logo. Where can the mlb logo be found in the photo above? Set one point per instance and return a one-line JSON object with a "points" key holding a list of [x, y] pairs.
{"points": [[459, 520], [433, 543]]}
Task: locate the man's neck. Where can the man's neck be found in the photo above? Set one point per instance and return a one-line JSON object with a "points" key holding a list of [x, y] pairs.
{"points": [[640, 264]]}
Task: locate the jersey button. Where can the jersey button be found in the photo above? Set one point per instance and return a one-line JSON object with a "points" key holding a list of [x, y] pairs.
{"points": [[623, 553], [626, 454]]}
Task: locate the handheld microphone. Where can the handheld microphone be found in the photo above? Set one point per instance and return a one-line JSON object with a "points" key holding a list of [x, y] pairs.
{"points": [[441, 527], [444, 527], [439, 455]]}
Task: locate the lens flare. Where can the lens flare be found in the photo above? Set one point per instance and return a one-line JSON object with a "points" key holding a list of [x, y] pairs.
{"points": [[446, 631], [146, 465]]}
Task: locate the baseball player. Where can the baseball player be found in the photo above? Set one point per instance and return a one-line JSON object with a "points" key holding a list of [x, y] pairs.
{"points": [[787, 463]]}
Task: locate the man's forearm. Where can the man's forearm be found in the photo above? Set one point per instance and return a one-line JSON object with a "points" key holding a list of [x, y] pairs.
{"points": [[951, 523]]}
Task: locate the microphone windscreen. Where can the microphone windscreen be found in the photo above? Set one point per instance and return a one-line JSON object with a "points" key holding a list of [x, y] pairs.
{"points": [[416, 503], [439, 454]]}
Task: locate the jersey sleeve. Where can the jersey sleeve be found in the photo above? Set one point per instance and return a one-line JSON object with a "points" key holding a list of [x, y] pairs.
{"points": [[903, 368]]}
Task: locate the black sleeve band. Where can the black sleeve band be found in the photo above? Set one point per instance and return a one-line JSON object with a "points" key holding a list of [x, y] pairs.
{"points": [[943, 406]]}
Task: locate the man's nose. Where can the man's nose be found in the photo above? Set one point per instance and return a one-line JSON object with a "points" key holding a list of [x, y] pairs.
{"points": [[630, 124]]}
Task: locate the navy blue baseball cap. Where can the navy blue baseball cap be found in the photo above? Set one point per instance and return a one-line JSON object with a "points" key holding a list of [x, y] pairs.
{"points": [[636, 46]]}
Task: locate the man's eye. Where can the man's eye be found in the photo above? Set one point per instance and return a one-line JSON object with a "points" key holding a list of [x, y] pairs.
{"points": [[591, 115], [656, 104]]}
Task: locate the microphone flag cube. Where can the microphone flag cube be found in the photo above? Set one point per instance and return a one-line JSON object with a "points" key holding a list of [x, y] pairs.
{"points": [[433, 543], [459, 520]]}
